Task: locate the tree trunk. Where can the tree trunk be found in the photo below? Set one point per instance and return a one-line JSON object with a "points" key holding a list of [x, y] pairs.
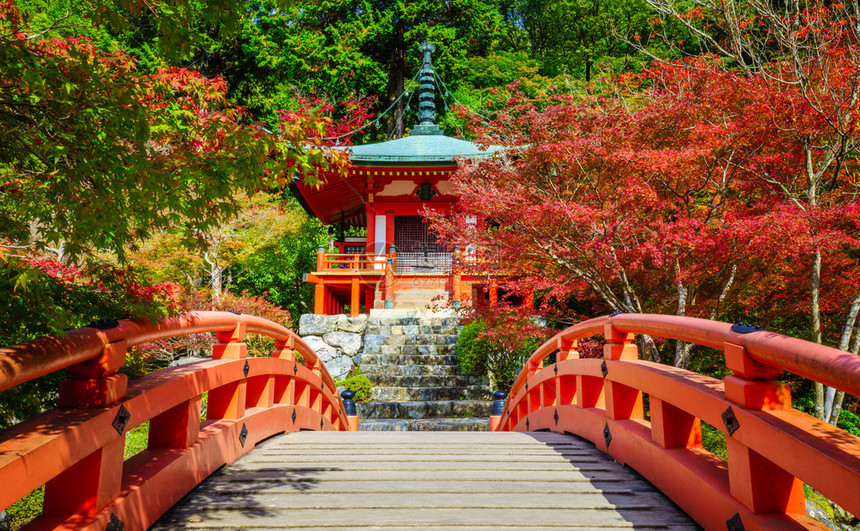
{"points": [[833, 398], [682, 348], [815, 311]]}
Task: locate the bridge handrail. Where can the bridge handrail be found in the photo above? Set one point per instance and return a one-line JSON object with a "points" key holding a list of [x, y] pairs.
{"points": [[830, 366], [77, 450], [27, 361], [772, 449]]}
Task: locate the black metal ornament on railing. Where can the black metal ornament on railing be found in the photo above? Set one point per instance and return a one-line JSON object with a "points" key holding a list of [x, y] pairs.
{"points": [[499, 403], [121, 420], [735, 523], [103, 324], [745, 328], [114, 524], [349, 408], [731, 422], [243, 435]]}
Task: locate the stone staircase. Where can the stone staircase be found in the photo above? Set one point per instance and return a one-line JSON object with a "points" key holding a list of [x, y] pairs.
{"points": [[409, 357], [420, 298]]}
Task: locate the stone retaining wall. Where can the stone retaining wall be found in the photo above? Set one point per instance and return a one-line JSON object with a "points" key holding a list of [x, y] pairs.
{"points": [[340, 341], [337, 339]]}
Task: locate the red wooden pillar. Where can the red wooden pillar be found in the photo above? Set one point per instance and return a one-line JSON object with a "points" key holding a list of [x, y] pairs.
{"points": [[354, 298], [622, 402], [389, 283], [321, 258], [672, 427], [319, 298], [89, 485], [566, 386], [758, 483], [368, 300], [285, 386], [228, 401]]}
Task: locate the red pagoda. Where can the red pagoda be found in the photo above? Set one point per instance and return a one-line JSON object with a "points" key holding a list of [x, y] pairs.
{"points": [[400, 263]]}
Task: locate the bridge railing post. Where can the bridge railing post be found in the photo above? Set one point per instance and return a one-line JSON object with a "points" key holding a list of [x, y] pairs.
{"points": [[90, 484], [285, 387], [389, 284], [622, 402], [761, 485], [228, 401], [498, 410], [350, 409], [566, 386]]}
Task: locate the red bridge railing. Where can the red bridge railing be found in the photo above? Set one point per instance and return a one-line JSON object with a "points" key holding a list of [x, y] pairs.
{"points": [[76, 450], [772, 449]]}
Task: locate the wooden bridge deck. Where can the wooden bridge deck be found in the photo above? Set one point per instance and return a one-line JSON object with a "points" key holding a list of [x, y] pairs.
{"points": [[435, 480]]}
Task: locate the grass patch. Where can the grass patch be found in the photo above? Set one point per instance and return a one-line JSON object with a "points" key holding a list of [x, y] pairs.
{"points": [[714, 440], [26, 509], [136, 440]]}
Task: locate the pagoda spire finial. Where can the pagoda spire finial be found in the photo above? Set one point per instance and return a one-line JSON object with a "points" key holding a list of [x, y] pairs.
{"points": [[427, 93]]}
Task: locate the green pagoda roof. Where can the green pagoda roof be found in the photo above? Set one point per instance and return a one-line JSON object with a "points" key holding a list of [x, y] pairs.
{"points": [[419, 148]]}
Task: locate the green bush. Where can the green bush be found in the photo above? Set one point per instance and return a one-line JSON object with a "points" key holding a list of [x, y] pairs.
{"points": [[358, 383], [479, 353], [472, 353]]}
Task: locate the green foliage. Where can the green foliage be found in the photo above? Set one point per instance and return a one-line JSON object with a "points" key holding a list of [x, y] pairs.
{"points": [[276, 270], [472, 353], [358, 383], [26, 509], [714, 441], [494, 347], [849, 422], [48, 297], [136, 440]]}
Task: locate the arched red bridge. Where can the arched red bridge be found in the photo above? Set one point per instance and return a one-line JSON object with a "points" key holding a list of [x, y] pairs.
{"points": [[437, 480]]}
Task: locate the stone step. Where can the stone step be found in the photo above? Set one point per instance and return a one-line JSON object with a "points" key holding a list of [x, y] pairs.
{"points": [[420, 381], [372, 370], [412, 350], [424, 409], [374, 340], [436, 424], [404, 394], [414, 320], [404, 359]]}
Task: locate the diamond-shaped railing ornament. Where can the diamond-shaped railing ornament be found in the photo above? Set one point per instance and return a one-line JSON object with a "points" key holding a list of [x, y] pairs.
{"points": [[527, 423], [246, 369], [735, 523], [603, 369], [555, 369], [295, 368], [607, 435], [121, 419], [114, 524], [730, 421], [294, 415], [322, 423], [243, 435], [555, 416]]}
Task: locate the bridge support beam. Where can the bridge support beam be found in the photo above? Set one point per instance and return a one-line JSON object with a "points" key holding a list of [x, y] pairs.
{"points": [[672, 427], [89, 485], [178, 427]]}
